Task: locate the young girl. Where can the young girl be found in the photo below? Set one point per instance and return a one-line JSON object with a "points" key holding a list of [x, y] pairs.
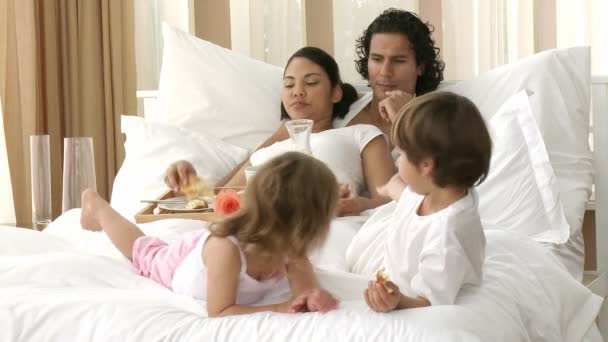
{"points": [[431, 242], [238, 260]]}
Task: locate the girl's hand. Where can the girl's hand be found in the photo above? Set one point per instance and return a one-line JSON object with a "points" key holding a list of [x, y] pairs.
{"points": [[378, 298], [320, 300], [313, 300]]}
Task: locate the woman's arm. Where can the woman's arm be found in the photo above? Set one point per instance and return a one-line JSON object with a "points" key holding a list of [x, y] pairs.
{"points": [[223, 262], [378, 168], [236, 177]]}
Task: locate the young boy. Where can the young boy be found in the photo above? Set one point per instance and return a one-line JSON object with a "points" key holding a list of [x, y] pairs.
{"points": [[431, 242]]}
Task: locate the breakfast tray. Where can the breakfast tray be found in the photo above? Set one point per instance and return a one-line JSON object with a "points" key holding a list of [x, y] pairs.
{"points": [[147, 214]]}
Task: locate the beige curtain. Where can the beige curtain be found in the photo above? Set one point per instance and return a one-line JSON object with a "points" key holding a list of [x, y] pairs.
{"points": [[67, 69]]}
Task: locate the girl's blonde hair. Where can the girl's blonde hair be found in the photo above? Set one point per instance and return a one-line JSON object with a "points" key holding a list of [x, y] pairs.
{"points": [[288, 206]]}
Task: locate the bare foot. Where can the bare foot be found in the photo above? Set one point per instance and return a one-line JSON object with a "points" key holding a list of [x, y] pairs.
{"points": [[91, 204]]}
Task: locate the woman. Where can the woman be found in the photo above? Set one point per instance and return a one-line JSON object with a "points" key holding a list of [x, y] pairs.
{"points": [[312, 89]]}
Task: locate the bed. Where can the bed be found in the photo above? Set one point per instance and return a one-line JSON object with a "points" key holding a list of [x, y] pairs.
{"points": [[66, 284]]}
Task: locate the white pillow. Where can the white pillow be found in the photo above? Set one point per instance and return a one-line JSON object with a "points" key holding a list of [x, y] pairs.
{"points": [[521, 192], [207, 88], [150, 148], [560, 82]]}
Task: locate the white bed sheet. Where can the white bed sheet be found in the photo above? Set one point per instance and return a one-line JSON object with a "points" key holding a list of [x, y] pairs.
{"points": [[71, 285]]}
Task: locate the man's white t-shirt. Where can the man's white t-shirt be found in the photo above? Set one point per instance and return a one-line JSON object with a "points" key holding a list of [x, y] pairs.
{"points": [[432, 256], [354, 109], [340, 149]]}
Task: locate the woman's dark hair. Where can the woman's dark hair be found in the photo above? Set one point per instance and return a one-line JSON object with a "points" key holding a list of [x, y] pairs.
{"points": [[328, 63], [419, 34]]}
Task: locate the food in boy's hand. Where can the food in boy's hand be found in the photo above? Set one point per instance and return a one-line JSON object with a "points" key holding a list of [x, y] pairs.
{"points": [[196, 204], [227, 202], [197, 187], [382, 277]]}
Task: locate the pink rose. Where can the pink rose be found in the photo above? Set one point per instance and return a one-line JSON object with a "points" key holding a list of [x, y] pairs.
{"points": [[226, 202]]}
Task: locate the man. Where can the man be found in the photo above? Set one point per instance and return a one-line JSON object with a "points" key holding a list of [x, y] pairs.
{"points": [[398, 57]]}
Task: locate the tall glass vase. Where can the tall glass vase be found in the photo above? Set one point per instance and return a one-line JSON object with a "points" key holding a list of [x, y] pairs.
{"points": [[78, 170], [40, 157]]}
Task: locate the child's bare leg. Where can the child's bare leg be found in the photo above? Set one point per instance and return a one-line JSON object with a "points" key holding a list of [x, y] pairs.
{"points": [[97, 214]]}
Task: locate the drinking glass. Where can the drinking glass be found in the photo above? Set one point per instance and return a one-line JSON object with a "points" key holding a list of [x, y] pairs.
{"points": [[40, 158], [299, 130], [249, 173], [78, 170]]}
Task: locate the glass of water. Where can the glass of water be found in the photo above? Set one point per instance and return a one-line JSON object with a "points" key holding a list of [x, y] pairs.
{"points": [[299, 131], [40, 158], [78, 170]]}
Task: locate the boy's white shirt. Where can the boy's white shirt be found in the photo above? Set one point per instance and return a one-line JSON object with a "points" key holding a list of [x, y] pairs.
{"points": [[431, 256]]}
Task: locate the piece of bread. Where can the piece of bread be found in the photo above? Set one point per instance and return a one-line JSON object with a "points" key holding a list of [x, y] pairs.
{"points": [[196, 204], [197, 187], [382, 277]]}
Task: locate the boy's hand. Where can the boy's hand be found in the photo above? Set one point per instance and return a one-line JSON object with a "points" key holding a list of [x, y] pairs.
{"points": [[392, 188], [313, 300], [378, 298]]}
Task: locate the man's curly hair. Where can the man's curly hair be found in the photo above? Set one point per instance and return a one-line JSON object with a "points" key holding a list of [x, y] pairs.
{"points": [[394, 20]]}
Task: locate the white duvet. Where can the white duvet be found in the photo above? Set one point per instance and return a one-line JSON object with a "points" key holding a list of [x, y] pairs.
{"points": [[66, 284]]}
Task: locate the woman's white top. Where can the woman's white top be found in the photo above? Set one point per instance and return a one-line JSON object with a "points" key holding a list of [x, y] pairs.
{"points": [[340, 149], [432, 256], [190, 277]]}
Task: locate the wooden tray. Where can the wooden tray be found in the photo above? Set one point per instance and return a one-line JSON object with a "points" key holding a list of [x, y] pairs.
{"points": [[147, 213]]}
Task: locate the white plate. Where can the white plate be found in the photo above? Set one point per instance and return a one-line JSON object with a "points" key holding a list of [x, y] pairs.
{"points": [[181, 206]]}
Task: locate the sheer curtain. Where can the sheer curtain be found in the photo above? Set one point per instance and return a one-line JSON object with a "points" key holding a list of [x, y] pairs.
{"points": [[478, 35], [474, 35], [584, 23], [268, 30], [351, 17], [149, 40]]}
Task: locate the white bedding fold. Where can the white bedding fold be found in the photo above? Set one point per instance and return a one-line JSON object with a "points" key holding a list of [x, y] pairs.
{"points": [[53, 289]]}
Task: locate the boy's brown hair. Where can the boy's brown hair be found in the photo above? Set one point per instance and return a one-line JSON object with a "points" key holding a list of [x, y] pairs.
{"points": [[288, 206], [449, 129]]}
